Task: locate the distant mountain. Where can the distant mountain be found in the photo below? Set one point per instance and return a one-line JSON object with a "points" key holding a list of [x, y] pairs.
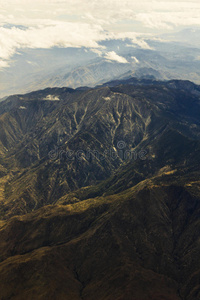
{"points": [[188, 36], [164, 59], [29, 66], [99, 192]]}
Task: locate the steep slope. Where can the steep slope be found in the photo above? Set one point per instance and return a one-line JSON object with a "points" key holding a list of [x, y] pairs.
{"points": [[59, 140], [140, 244], [100, 192]]}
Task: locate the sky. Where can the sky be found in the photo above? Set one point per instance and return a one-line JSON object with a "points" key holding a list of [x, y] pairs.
{"points": [[84, 23]]}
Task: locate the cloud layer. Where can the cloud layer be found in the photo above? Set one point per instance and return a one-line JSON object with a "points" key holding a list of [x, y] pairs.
{"points": [[60, 34], [78, 23], [109, 11], [115, 57]]}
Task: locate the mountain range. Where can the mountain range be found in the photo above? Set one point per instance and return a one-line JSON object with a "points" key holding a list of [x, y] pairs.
{"points": [[164, 57], [100, 192]]}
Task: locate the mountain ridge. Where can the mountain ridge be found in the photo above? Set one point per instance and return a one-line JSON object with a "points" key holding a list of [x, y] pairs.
{"points": [[99, 192]]}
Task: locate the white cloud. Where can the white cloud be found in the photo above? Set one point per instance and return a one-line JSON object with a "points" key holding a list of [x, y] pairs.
{"points": [[61, 35], [115, 57], [166, 20], [31, 63], [106, 11], [135, 59], [3, 64], [97, 51], [137, 39]]}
